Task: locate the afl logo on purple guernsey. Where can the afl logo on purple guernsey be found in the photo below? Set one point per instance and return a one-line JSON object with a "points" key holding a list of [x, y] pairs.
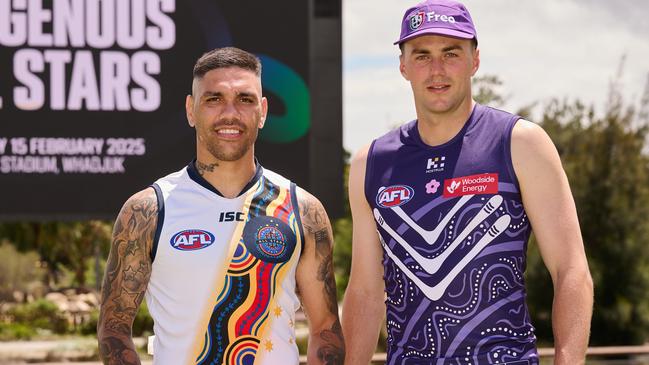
{"points": [[269, 239], [191, 240], [394, 195]]}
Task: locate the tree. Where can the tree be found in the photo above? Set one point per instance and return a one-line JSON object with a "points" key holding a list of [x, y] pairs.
{"points": [[608, 168], [60, 245]]}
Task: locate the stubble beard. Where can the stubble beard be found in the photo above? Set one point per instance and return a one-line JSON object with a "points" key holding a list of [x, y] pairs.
{"points": [[219, 150]]}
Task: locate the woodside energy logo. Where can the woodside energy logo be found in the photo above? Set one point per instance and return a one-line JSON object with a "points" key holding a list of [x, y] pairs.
{"points": [[473, 184]]}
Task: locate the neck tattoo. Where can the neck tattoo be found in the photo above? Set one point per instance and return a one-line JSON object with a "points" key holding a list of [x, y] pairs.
{"points": [[203, 168]]}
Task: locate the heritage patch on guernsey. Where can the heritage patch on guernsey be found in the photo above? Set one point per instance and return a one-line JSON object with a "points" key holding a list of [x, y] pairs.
{"points": [[269, 239]]}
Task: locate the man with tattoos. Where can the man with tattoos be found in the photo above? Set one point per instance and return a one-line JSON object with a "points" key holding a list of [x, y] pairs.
{"points": [[453, 196], [221, 248]]}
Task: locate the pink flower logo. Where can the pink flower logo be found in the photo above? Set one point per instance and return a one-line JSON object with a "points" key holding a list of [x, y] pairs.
{"points": [[431, 187]]}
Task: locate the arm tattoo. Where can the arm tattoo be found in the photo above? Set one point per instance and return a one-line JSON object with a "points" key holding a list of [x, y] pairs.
{"points": [[316, 223], [127, 274], [203, 168], [326, 275], [332, 352]]}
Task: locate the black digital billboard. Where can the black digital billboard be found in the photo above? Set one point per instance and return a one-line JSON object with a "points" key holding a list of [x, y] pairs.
{"points": [[92, 97]]}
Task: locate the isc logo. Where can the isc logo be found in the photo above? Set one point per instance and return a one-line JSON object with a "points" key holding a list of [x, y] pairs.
{"points": [[394, 195], [231, 217], [191, 239]]}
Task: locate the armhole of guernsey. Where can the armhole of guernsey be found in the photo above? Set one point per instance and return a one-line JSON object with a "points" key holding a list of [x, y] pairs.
{"points": [[369, 164], [159, 221], [296, 209], [507, 150]]}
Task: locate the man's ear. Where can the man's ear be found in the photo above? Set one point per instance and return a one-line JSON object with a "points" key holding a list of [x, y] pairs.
{"points": [[264, 112], [402, 67], [189, 110], [476, 61]]}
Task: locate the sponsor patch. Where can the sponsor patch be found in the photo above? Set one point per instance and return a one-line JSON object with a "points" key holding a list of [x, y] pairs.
{"points": [[191, 240], [394, 195], [473, 184]]}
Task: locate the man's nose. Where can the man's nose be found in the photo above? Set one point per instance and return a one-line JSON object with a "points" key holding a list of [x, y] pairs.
{"points": [[229, 111], [436, 66]]}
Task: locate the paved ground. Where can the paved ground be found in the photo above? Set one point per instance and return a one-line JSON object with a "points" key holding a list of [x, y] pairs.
{"points": [[48, 352]]}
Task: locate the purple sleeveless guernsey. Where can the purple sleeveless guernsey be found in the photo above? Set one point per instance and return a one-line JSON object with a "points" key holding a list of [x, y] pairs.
{"points": [[454, 236]]}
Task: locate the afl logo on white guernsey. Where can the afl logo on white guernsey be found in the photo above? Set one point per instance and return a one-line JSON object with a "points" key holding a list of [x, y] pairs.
{"points": [[191, 240], [394, 195]]}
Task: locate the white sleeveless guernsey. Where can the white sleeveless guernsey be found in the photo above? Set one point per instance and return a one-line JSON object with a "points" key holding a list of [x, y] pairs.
{"points": [[222, 287]]}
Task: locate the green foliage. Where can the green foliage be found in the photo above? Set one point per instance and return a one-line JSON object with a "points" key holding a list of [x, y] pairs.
{"points": [[89, 328], [342, 228], [16, 331], [486, 90], [608, 168], [18, 272], [41, 314], [143, 323], [61, 245]]}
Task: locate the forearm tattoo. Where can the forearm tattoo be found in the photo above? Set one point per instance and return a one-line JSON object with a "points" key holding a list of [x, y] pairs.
{"points": [[316, 224], [332, 352], [127, 273]]}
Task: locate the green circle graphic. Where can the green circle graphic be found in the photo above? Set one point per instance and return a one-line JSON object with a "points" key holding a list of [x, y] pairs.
{"points": [[287, 85]]}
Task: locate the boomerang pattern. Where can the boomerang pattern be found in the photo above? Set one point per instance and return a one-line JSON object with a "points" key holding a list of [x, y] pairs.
{"points": [[466, 269]]}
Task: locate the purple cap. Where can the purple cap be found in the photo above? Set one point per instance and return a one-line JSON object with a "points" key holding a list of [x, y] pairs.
{"points": [[442, 17]]}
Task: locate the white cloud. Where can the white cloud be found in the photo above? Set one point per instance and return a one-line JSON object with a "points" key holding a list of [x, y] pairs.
{"points": [[540, 49]]}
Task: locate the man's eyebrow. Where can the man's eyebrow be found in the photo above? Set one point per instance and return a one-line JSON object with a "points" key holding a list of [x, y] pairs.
{"points": [[247, 94], [208, 94], [451, 48], [420, 51]]}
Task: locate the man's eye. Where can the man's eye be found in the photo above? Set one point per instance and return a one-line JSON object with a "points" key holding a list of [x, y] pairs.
{"points": [[422, 57], [451, 55]]}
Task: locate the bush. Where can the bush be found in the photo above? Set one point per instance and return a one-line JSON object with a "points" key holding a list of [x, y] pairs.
{"points": [[41, 314], [143, 323], [16, 331], [90, 326], [18, 272]]}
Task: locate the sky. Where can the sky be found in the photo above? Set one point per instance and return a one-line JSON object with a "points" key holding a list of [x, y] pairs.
{"points": [[540, 50]]}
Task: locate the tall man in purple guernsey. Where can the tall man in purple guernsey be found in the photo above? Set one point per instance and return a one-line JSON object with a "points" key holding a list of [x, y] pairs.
{"points": [[454, 196]]}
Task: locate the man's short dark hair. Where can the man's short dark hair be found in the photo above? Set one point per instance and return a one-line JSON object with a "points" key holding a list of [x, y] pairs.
{"points": [[226, 57]]}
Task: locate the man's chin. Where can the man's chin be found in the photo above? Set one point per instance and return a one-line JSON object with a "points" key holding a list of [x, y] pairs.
{"points": [[229, 156]]}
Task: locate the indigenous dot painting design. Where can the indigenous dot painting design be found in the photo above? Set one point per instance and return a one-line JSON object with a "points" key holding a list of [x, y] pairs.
{"points": [[271, 241], [455, 287], [454, 253], [260, 262]]}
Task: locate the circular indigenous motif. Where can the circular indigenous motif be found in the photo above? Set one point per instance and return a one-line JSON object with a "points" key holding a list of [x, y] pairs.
{"points": [[242, 261], [269, 239], [242, 351]]}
